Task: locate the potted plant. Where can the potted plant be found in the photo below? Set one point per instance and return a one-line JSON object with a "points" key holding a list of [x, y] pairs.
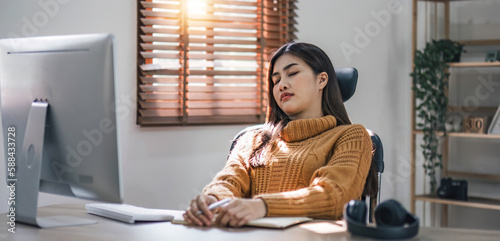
{"points": [[430, 81]]}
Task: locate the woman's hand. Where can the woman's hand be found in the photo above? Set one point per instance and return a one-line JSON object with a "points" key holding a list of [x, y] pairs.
{"points": [[240, 211], [201, 202]]}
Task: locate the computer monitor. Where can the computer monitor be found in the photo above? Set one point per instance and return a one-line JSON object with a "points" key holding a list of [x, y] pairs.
{"points": [[59, 122]]}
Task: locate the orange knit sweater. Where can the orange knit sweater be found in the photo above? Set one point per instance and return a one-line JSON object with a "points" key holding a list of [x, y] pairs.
{"points": [[313, 170]]}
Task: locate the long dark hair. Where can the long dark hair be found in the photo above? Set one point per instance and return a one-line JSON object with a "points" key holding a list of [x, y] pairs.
{"points": [[319, 62], [331, 102]]}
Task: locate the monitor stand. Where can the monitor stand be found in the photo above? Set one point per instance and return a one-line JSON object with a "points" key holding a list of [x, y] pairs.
{"points": [[27, 179]]}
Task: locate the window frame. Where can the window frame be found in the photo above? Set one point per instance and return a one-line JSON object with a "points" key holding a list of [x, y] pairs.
{"points": [[275, 26]]}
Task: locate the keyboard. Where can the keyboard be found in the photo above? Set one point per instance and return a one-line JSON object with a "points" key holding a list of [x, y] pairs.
{"points": [[129, 213]]}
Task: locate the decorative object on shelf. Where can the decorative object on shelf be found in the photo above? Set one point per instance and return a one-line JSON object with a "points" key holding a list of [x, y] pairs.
{"points": [[453, 189], [430, 81], [449, 126], [492, 56], [475, 124], [453, 124], [495, 124], [457, 126]]}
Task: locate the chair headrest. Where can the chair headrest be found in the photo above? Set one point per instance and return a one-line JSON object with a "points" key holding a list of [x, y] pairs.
{"points": [[347, 79]]}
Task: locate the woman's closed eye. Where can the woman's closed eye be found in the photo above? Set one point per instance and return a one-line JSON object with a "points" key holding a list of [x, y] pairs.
{"points": [[277, 79]]}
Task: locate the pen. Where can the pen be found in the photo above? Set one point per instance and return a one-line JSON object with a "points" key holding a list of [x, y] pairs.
{"points": [[215, 205]]}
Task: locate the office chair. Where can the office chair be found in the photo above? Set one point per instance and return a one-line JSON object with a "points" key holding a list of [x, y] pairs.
{"points": [[347, 79]]}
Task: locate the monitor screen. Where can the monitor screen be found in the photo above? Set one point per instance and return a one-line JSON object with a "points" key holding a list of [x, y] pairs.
{"points": [[58, 117]]}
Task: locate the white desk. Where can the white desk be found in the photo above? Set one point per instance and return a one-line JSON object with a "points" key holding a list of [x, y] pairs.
{"points": [[112, 230]]}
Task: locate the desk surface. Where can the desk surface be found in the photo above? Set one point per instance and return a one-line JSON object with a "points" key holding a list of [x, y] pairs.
{"points": [[112, 230]]}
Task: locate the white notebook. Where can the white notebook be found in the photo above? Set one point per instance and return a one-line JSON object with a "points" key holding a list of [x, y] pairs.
{"points": [[267, 222], [278, 222]]}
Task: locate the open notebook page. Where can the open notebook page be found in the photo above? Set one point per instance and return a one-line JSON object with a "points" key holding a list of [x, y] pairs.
{"points": [[268, 222]]}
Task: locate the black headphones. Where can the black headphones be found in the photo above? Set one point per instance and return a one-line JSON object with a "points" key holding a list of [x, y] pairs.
{"points": [[393, 221]]}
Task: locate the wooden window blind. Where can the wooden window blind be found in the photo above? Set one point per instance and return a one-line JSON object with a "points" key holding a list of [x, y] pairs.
{"points": [[203, 61]]}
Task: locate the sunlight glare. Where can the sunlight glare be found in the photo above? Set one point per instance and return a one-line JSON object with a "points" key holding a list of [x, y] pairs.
{"points": [[197, 7], [325, 227]]}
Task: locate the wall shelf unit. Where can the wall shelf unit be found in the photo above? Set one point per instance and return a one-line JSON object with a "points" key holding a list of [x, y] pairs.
{"points": [[481, 42], [432, 198], [462, 134], [474, 64], [473, 202]]}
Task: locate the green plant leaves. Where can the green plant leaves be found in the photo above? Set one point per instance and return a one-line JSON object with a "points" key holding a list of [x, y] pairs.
{"points": [[430, 81]]}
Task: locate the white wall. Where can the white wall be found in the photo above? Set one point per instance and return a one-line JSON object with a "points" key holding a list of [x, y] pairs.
{"points": [[374, 37], [165, 167], [162, 166]]}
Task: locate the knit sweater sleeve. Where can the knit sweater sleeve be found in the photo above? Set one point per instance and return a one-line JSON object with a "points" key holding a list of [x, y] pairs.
{"points": [[331, 186], [233, 181]]}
